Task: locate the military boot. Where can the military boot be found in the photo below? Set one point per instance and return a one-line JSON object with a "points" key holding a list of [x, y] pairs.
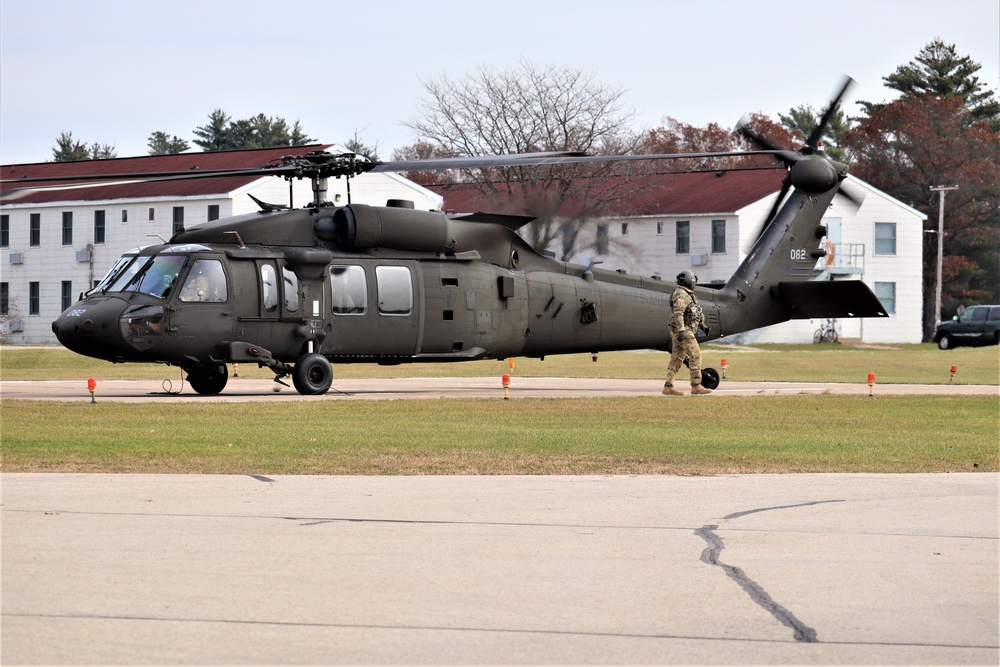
{"points": [[697, 389], [668, 390]]}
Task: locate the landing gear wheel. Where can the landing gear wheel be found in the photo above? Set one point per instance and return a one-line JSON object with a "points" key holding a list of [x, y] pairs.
{"points": [[312, 375], [208, 380], [709, 378]]}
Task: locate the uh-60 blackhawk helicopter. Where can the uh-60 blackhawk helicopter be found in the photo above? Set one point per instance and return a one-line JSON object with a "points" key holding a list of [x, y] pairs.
{"points": [[297, 290]]}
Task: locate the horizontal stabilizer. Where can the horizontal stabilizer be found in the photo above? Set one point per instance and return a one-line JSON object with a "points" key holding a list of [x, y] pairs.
{"points": [[830, 298]]}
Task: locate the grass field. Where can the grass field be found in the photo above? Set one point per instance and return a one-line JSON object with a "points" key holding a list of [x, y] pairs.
{"points": [[644, 435]]}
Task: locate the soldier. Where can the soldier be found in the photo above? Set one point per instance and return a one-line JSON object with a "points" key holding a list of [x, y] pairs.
{"points": [[687, 317]]}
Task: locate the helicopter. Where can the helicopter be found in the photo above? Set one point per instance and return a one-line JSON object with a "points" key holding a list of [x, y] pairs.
{"points": [[297, 290]]}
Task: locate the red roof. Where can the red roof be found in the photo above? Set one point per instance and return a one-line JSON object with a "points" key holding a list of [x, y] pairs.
{"points": [[686, 193], [144, 166]]}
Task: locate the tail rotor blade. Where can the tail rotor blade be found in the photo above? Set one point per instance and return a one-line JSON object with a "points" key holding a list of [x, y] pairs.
{"points": [[820, 130]]}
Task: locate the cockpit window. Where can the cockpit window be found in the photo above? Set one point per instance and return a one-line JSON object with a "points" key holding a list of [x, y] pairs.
{"points": [[159, 278], [127, 275], [113, 273], [206, 282]]}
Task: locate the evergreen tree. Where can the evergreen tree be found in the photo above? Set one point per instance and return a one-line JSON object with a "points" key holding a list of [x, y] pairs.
{"points": [[939, 71], [161, 143], [68, 150]]}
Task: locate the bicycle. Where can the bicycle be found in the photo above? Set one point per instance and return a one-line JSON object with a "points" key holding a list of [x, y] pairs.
{"points": [[827, 332]]}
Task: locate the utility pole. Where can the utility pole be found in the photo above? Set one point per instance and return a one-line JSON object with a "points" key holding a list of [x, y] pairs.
{"points": [[943, 189]]}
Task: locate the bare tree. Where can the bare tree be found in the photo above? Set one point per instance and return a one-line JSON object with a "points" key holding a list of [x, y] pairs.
{"points": [[530, 109]]}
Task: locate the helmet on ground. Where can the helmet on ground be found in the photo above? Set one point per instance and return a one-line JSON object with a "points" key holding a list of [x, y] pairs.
{"points": [[687, 279]]}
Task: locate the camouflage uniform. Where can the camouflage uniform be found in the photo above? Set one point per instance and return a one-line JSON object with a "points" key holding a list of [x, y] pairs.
{"points": [[685, 320]]}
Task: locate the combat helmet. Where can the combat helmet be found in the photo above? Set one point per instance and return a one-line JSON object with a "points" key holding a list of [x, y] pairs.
{"points": [[687, 279]]}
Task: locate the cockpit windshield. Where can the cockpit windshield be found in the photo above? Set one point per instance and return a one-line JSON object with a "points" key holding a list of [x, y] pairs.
{"points": [[149, 275]]}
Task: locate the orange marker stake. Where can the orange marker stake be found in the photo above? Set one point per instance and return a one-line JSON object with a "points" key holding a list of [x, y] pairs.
{"points": [[871, 385], [724, 366], [92, 387], [510, 360], [506, 386], [954, 369]]}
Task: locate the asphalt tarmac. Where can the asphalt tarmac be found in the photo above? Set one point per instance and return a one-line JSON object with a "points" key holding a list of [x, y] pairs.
{"points": [[743, 569], [736, 569]]}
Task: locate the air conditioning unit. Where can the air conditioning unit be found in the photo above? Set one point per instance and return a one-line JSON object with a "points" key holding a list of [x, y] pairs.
{"points": [[83, 255], [15, 325], [699, 260], [17, 258]]}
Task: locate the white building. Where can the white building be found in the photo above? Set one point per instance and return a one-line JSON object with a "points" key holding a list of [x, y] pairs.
{"points": [[707, 222], [55, 244]]}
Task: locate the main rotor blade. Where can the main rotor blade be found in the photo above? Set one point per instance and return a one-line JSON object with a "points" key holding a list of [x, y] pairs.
{"points": [[538, 159]]}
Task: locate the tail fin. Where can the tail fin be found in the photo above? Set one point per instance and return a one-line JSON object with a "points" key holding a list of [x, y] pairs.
{"points": [[773, 284]]}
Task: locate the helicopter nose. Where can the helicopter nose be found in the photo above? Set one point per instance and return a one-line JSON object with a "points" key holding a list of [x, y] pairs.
{"points": [[90, 327]]}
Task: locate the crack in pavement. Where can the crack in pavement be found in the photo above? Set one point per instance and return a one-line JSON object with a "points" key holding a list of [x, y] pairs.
{"points": [[801, 631]]}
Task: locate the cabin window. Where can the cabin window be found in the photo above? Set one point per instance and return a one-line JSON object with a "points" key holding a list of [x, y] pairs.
{"points": [[269, 284], [291, 289], [348, 290], [395, 290], [206, 282]]}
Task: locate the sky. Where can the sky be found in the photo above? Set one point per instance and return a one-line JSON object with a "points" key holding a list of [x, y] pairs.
{"points": [[115, 71]]}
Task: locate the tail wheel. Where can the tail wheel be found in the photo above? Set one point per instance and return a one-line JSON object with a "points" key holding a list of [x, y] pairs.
{"points": [[312, 375], [208, 379], [709, 378]]}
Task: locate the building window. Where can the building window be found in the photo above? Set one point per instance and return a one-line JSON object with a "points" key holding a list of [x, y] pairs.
{"points": [[718, 236], [602, 239], [4, 298], [178, 219], [885, 238], [98, 226], [886, 293], [213, 211], [568, 240], [124, 215], [4, 231], [35, 230], [683, 237], [659, 228], [67, 228], [67, 294], [624, 229], [152, 214], [34, 296]]}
